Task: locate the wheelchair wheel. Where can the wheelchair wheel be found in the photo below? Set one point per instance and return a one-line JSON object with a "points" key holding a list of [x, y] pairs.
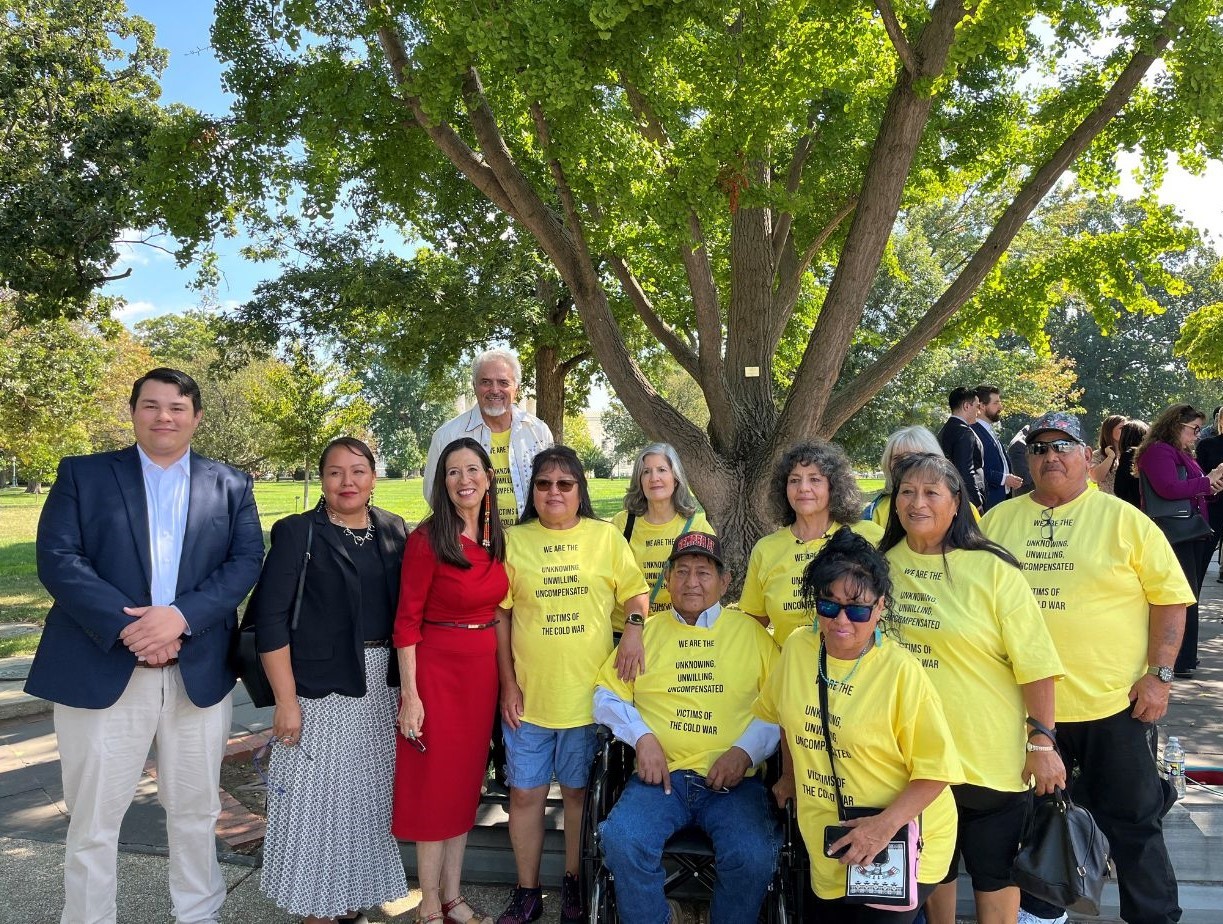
{"points": [[602, 906]]}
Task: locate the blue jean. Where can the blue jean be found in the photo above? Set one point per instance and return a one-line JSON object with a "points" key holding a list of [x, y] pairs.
{"points": [[740, 824]]}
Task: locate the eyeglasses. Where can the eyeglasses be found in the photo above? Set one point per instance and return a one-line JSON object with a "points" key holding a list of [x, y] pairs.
{"points": [[416, 741], [257, 760], [1059, 446], [1195, 429], [564, 485], [856, 612], [1046, 521]]}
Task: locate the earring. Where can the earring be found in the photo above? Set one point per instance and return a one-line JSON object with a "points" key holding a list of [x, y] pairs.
{"points": [[878, 635], [488, 507], [369, 501]]}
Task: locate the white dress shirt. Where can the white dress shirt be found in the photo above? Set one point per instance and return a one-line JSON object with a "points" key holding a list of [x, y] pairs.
{"points": [[759, 739], [167, 492]]}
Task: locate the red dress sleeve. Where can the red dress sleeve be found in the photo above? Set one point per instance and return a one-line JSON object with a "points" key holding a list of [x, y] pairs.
{"points": [[419, 566]]}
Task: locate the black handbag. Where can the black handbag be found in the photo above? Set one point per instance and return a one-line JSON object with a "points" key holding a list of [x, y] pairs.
{"points": [[1063, 855], [1178, 519], [250, 667]]}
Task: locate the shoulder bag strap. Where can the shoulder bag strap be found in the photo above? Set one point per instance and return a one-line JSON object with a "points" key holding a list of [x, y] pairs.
{"points": [[661, 571], [628, 526], [823, 685], [301, 579]]}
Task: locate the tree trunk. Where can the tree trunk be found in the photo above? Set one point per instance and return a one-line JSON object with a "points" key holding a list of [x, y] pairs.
{"points": [[306, 487], [550, 390], [733, 505], [33, 487]]}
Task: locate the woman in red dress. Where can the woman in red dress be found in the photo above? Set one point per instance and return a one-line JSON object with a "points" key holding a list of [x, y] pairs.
{"points": [[453, 579]]}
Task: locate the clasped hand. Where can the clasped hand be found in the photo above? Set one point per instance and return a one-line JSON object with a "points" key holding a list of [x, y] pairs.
{"points": [[154, 635]]}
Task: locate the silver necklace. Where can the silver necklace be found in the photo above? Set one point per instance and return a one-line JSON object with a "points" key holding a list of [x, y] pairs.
{"points": [[359, 540]]}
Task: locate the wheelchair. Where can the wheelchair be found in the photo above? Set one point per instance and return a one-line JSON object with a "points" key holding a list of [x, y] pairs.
{"points": [[688, 858]]}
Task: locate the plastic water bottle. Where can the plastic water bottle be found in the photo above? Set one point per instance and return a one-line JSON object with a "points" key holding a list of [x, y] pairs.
{"points": [[1174, 760]]}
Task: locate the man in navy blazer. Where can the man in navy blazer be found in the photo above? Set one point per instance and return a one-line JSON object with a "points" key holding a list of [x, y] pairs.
{"points": [[999, 481], [962, 446], [147, 553]]}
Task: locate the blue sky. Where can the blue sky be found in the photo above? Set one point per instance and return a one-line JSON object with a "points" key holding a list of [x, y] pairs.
{"points": [[193, 77]]}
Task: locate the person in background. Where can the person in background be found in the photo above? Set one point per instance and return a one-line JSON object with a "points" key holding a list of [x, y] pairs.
{"points": [[453, 578], [511, 436], [960, 443], [1210, 454], [904, 442], [328, 851], [813, 493], [1114, 599], [693, 773], [146, 553], [1105, 459], [658, 508], [892, 747], [1165, 459], [1017, 456], [966, 613], [567, 571], [1125, 479], [999, 482]]}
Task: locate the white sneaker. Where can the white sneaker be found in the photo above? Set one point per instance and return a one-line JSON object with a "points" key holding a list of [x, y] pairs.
{"points": [[1026, 917]]}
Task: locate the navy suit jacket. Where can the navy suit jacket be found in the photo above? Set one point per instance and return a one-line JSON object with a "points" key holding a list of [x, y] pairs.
{"points": [[94, 559], [995, 465], [963, 447]]}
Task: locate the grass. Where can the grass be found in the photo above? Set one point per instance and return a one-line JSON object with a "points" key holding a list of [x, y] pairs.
{"points": [[23, 599]]}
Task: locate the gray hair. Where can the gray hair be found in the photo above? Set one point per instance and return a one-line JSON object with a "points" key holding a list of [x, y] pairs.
{"points": [[681, 498], [904, 441], [506, 356]]}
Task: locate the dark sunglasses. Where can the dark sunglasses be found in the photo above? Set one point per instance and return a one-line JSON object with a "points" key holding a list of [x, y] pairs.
{"points": [[1058, 446], [857, 612], [416, 741], [564, 485]]}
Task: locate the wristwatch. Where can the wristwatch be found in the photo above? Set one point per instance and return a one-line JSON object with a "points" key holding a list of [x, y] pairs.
{"points": [[1163, 673], [634, 619], [1040, 747]]}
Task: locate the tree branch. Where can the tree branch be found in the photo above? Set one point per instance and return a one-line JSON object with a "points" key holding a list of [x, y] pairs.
{"points": [[849, 397], [794, 176], [897, 35], [666, 335]]}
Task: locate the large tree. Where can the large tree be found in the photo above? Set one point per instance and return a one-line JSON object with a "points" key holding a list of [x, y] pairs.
{"points": [[730, 170]]}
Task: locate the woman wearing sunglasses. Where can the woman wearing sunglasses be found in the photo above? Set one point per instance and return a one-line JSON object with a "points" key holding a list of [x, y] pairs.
{"points": [[1165, 461], [964, 610], [813, 493], [328, 850], [892, 749], [453, 579], [567, 572]]}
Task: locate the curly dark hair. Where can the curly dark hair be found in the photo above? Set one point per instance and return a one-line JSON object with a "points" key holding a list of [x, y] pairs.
{"points": [[846, 555], [1166, 428], [844, 498]]}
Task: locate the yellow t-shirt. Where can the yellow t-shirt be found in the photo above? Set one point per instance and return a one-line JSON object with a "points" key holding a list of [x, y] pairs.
{"points": [[697, 695], [1095, 580], [499, 455], [976, 629], [773, 586], [563, 586], [879, 516], [651, 545], [887, 727]]}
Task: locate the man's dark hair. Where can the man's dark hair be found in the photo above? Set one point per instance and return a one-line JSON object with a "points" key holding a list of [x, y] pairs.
{"points": [[960, 396], [985, 392], [185, 384]]}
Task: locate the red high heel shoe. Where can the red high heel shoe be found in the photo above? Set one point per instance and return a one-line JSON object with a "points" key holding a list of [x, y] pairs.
{"points": [[477, 917]]}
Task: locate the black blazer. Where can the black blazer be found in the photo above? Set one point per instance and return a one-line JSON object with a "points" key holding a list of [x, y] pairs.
{"points": [[327, 650], [963, 447]]}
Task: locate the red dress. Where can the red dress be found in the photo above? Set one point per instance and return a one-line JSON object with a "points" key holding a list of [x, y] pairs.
{"points": [[437, 793]]}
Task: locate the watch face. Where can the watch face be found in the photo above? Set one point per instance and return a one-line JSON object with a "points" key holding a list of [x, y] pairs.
{"points": [[1165, 674]]}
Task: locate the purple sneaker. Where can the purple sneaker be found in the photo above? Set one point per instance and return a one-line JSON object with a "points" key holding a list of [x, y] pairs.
{"points": [[571, 900], [525, 905]]}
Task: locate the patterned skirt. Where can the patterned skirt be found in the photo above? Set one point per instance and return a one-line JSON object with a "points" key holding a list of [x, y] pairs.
{"points": [[328, 848]]}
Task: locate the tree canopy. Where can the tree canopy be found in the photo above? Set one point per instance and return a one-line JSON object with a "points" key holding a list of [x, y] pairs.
{"points": [[733, 173]]}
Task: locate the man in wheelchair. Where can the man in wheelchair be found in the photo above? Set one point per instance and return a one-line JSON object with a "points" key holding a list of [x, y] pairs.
{"points": [[689, 718]]}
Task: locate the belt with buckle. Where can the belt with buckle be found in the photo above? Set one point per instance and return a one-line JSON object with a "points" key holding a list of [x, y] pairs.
{"points": [[169, 663], [460, 625]]}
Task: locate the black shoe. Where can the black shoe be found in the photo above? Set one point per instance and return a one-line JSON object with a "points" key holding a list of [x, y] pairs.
{"points": [[525, 905], [571, 900]]}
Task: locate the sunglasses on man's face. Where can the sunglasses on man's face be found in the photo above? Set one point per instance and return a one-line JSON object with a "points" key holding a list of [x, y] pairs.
{"points": [[1059, 446], [856, 612], [564, 485]]}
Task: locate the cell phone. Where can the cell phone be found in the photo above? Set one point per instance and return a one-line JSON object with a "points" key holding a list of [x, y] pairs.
{"points": [[833, 833]]}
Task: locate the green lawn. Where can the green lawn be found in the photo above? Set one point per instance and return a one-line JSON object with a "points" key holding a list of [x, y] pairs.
{"points": [[22, 598]]}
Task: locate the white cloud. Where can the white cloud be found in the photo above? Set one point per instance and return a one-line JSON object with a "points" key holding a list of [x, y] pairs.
{"points": [[131, 312]]}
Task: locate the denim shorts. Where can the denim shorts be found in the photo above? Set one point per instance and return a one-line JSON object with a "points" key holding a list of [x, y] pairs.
{"points": [[534, 755]]}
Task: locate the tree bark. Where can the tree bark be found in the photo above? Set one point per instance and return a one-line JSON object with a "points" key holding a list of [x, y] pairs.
{"points": [[550, 390], [33, 487]]}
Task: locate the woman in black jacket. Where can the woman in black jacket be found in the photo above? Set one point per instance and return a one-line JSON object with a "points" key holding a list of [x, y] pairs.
{"points": [[328, 850]]}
